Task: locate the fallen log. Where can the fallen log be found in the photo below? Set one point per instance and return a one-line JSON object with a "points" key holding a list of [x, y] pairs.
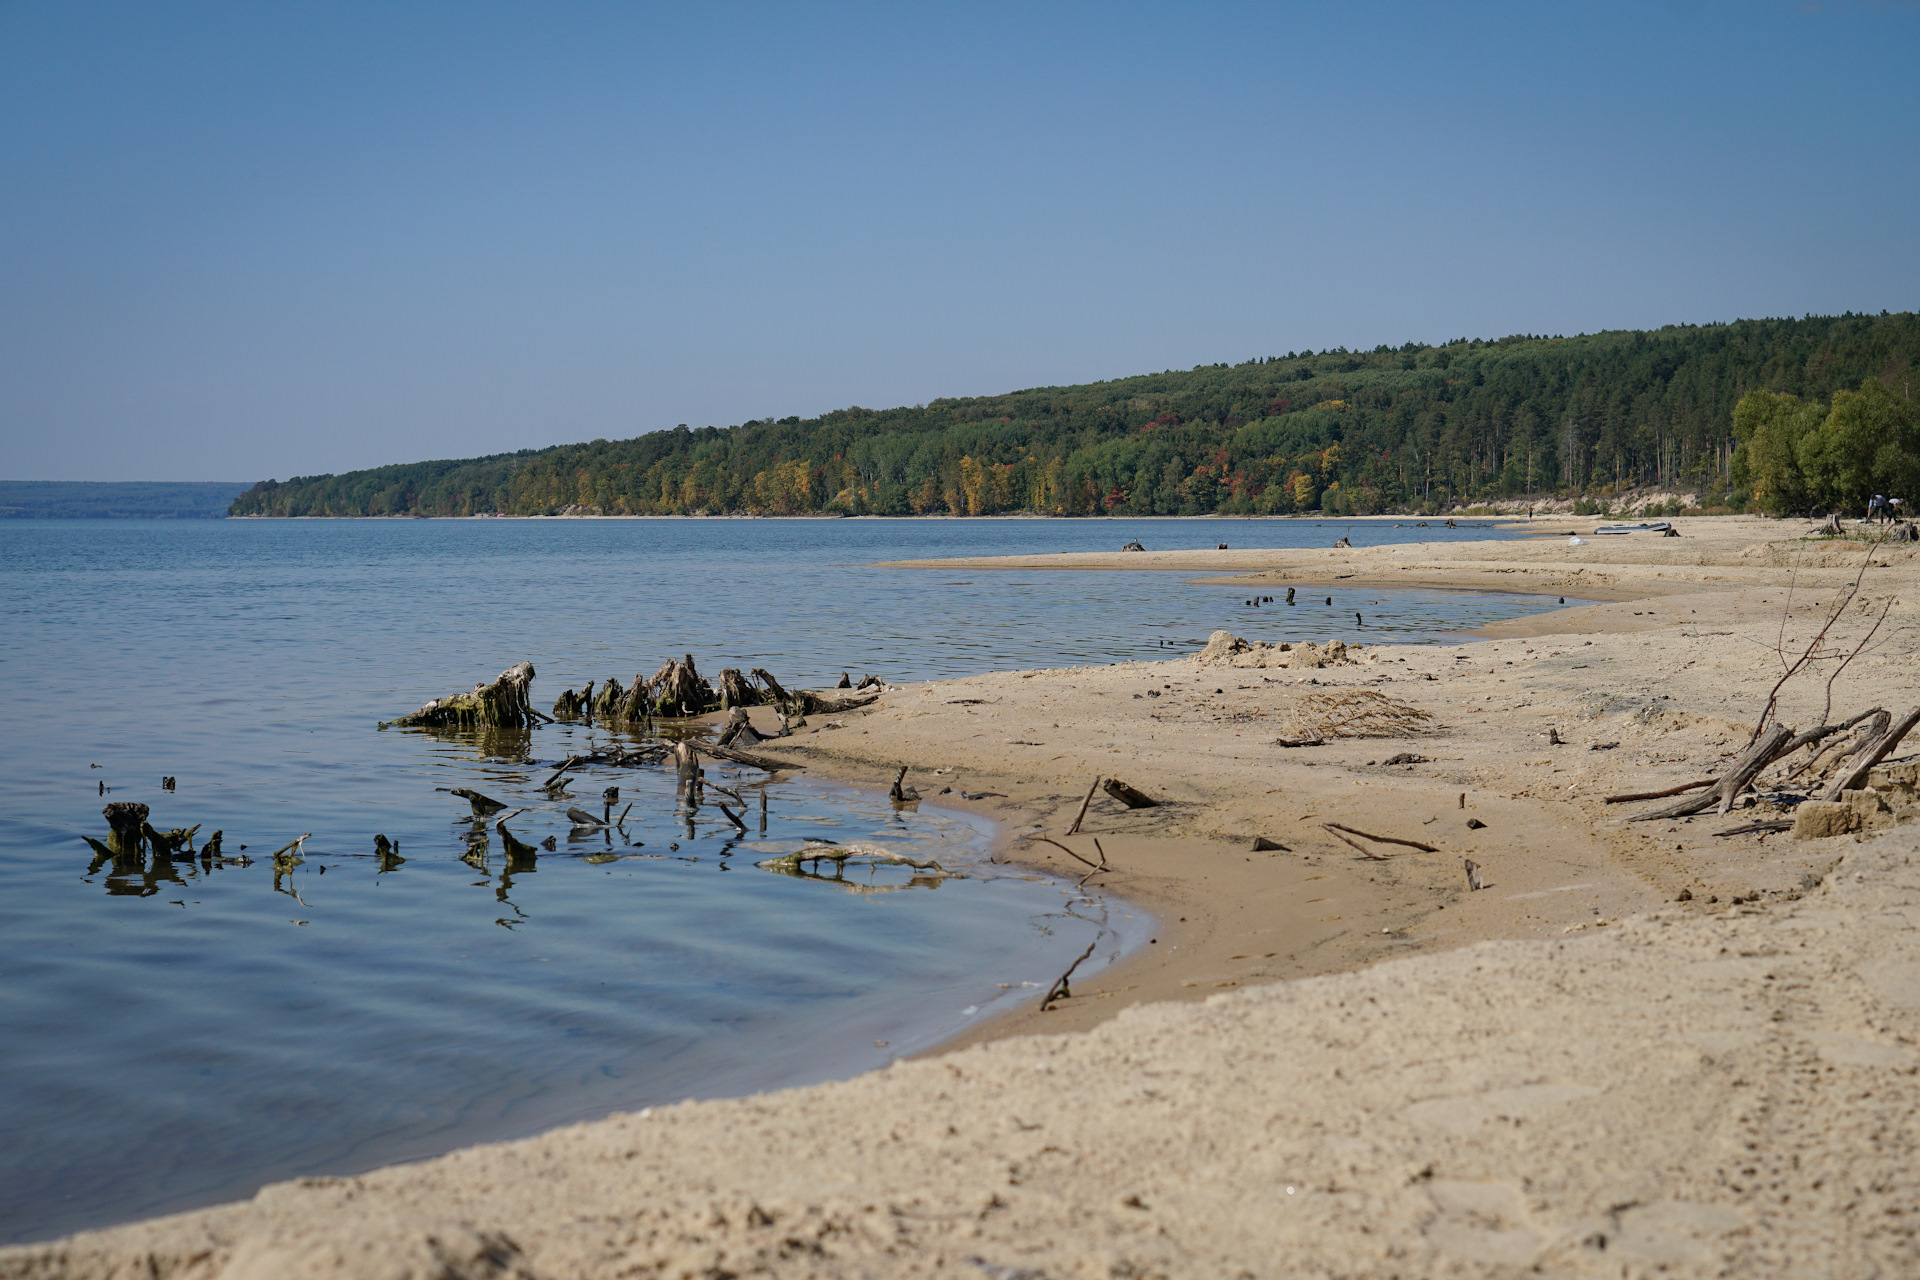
{"points": [[814, 704], [1853, 774], [501, 704], [1751, 761], [1129, 796], [1845, 747], [742, 757]]}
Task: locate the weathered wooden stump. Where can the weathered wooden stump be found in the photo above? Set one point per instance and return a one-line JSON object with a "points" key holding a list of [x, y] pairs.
{"points": [[502, 703]]}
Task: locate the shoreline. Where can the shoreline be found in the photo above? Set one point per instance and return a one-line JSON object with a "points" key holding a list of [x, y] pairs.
{"points": [[1700, 1049]]}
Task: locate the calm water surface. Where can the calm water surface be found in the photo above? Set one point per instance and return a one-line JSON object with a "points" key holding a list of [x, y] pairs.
{"points": [[175, 1033]]}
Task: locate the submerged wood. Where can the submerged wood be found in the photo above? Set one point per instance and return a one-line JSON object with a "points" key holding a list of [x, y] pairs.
{"points": [[687, 766], [501, 704], [126, 822], [747, 758], [482, 805], [570, 704]]}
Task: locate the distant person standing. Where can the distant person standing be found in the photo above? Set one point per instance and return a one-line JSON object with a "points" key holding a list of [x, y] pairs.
{"points": [[1877, 507]]}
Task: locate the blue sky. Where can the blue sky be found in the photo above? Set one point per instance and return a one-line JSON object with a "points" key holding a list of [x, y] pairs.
{"points": [[240, 241]]}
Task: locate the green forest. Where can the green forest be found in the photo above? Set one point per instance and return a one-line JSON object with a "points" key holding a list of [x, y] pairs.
{"points": [[1413, 428]]}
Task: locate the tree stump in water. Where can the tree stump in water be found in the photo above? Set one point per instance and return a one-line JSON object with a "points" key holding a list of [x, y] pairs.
{"points": [[638, 706], [609, 700], [570, 704], [735, 691], [126, 827], [679, 691], [501, 704]]}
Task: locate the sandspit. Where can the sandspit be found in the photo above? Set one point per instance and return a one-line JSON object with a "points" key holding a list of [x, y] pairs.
{"points": [[1640, 1048]]}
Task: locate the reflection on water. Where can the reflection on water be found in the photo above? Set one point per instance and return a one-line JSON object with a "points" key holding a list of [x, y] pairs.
{"points": [[344, 960]]}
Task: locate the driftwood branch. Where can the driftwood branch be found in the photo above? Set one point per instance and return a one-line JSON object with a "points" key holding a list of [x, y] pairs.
{"points": [[1684, 787], [1854, 772], [1060, 990], [742, 757], [1082, 815], [1777, 824], [1070, 853], [1751, 761], [1351, 843], [1129, 796], [1366, 835]]}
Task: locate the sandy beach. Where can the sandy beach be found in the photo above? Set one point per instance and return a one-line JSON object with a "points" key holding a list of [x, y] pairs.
{"points": [[1638, 1048]]}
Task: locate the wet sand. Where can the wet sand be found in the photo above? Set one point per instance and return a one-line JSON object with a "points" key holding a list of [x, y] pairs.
{"points": [[1567, 1069]]}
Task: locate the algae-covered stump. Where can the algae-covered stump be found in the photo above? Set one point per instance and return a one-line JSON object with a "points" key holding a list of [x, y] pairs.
{"points": [[500, 704]]}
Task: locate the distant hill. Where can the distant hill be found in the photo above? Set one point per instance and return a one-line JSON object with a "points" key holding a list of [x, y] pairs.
{"points": [[123, 500], [1392, 429]]}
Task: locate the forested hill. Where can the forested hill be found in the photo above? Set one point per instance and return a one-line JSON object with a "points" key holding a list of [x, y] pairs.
{"points": [[1339, 431]]}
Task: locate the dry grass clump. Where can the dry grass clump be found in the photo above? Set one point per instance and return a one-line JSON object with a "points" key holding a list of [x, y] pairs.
{"points": [[1357, 713]]}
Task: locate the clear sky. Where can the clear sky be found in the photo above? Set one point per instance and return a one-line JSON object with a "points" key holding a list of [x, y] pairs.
{"points": [[251, 240]]}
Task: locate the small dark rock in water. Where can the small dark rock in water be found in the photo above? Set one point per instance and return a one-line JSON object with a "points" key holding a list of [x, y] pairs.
{"points": [[1686, 895], [548, 844], [166, 783], [1474, 824]]}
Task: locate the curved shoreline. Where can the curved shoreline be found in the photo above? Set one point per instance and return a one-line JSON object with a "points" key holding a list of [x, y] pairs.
{"points": [[1568, 1070]]}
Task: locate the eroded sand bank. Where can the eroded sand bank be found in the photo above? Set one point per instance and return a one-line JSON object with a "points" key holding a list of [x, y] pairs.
{"points": [[1567, 1070]]}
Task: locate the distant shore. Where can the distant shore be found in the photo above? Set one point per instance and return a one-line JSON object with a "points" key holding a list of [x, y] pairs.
{"points": [[1641, 1045]]}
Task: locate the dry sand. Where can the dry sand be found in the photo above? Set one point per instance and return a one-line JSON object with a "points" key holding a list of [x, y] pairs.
{"points": [[1567, 1072]]}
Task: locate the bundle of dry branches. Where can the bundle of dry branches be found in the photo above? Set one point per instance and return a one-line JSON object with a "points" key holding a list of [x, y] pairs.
{"points": [[1356, 713]]}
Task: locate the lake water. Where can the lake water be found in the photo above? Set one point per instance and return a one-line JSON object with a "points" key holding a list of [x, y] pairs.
{"points": [[177, 1032]]}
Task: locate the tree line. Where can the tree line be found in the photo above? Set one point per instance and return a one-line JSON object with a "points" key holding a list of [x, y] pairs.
{"points": [[1409, 428]]}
